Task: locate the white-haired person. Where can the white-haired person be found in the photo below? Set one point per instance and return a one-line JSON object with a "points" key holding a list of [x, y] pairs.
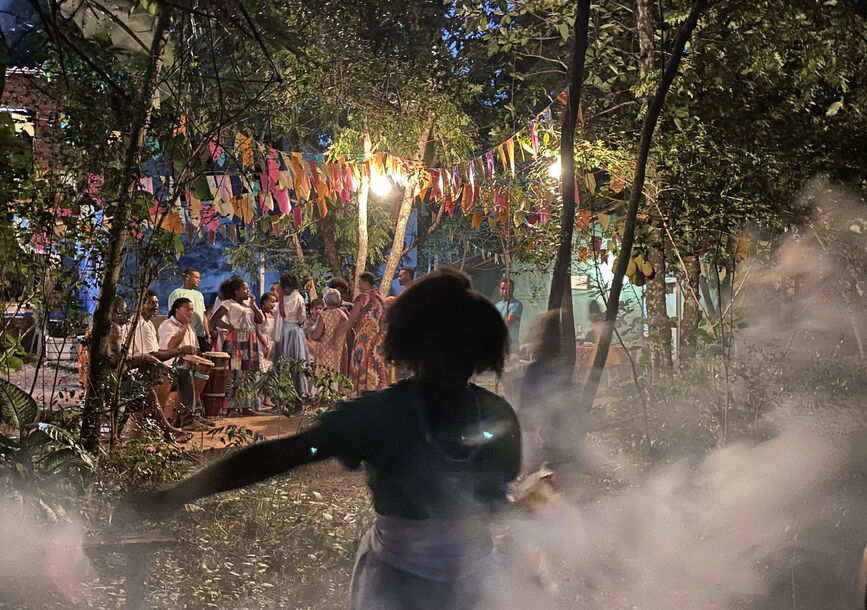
{"points": [[329, 333]]}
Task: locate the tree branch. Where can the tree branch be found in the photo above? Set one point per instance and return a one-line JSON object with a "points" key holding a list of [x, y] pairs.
{"points": [[59, 35], [628, 237]]}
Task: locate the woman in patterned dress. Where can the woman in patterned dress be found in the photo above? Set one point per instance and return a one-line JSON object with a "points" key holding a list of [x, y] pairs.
{"points": [[239, 316], [367, 368], [331, 344]]}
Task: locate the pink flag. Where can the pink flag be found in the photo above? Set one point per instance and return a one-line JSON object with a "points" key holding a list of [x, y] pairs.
{"points": [[282, 198], [534, 138]]}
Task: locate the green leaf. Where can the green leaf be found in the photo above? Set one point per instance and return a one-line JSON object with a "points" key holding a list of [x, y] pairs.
{"points": [[67, 439], [102, 39], [61, 457], [834, 108], [179, 246], [8, 444], [201, 190], [17, 407], [563, 28]]}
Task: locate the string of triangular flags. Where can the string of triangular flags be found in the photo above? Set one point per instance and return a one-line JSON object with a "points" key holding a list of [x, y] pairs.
{"points": [[272, 183]]}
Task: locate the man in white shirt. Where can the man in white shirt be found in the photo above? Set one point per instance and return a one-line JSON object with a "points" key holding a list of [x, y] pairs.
{"points": [[144, 338], [192, 279], [176, 332], [145, 343]]}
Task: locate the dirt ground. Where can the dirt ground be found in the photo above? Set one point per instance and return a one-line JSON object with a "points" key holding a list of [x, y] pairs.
{"points": [[57, 387], [269, 426], [54, 386]]}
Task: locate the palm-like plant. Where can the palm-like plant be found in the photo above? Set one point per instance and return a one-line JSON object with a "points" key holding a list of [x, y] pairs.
{"points": [[33, 446]]}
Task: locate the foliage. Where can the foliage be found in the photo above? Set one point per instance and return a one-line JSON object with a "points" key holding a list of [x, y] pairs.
{"points": [[232, 436], [16, 157], [287, 542], [327, 387], [12, 353], [144, 462], [33, 447], [713, 400]]}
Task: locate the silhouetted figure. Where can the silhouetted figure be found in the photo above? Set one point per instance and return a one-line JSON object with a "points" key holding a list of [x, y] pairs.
{"points": [[439, 453]]}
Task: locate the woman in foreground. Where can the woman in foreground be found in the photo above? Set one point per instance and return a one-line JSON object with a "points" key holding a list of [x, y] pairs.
{"points": [[439, 452]]}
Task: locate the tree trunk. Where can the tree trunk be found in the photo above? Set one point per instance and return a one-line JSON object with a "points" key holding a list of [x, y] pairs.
{"points": [[649, 126], [691, 310], [708, 296], [363, 194], [660, 328], [657, 314], [326, 230], [94, 405], [425, 144], [310, 285], [560, 279]]}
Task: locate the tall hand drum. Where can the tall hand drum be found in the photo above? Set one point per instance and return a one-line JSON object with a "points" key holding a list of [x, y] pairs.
{"points": [[161, 380], [214, 392], [201, 369]]}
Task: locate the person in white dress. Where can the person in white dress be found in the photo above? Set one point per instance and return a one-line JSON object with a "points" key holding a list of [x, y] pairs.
{"points": [[289, 340]]}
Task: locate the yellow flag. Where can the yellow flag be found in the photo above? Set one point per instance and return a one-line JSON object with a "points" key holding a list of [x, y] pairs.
{"points": [[604, 220], [195, 211]]}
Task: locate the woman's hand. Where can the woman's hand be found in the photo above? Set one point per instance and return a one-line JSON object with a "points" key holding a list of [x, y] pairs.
{"points": [[150, 506]]}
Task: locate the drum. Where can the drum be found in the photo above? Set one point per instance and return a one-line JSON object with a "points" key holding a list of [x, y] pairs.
{"points": [[201, 368], [214, 393], [161, 377]]}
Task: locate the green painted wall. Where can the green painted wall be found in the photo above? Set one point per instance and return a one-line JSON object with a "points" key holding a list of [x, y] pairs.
{"points": [[532, 289]]}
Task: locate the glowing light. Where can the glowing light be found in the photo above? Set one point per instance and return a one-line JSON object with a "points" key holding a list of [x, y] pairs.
{"points": [[314, 450], [380, 185], [488, 436], [554, 170]]}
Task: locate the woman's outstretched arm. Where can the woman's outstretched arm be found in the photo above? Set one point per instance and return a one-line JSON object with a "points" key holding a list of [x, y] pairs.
{"points": [[249, 465]]}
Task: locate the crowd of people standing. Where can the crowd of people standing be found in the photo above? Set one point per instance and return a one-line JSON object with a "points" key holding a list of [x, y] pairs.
{"points": [[337, 332], [342, 335], [334, 332]]}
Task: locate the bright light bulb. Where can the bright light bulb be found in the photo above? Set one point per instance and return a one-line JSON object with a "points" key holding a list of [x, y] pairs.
{"points": [[380, 185], [554, 170]]}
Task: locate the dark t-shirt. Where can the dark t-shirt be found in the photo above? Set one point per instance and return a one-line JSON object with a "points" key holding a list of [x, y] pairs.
{"points": [[410, 470]]}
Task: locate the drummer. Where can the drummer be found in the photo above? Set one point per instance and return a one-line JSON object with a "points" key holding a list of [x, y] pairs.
{"points": [[177, 332], [144, 344]]}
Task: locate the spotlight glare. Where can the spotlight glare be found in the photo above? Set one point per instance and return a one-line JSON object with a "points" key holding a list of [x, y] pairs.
{"points": [[554, 170], [380, 185]]}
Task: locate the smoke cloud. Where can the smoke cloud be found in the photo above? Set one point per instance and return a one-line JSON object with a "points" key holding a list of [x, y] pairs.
{"points": [[763, 524], [41, 560]]}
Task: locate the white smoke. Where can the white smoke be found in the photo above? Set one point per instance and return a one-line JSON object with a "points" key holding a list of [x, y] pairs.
{"points": [[773, 524], [41, 560], [746, 527]]}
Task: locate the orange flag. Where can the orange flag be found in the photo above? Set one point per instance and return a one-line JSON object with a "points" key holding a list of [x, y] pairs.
{"points": [[172, 222], [467, 198], [195, 211], [245, 151], [582, 219], [510, 151]]}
